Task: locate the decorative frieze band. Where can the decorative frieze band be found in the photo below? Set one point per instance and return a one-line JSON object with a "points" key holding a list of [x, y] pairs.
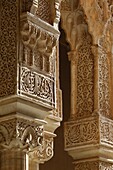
{"points": [[93, 165], [95, 130], [80, 133], [35, 85]]}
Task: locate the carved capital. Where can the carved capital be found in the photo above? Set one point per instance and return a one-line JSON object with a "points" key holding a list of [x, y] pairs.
{"points": [[45, 151], [20, 134]]}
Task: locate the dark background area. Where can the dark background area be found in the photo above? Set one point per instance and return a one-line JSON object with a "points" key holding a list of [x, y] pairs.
{"points": [[61, 160]]}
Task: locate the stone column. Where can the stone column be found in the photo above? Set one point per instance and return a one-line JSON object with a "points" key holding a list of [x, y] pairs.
{"points": [[13, 160], [30, 97], [73, 59], [88, 135]]}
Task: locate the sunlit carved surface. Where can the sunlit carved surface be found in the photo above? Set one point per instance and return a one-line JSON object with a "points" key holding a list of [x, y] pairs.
{"points": [[81, 133], [18, 133], [88, 132], [97, 165], [38, 86], [30, 96]]}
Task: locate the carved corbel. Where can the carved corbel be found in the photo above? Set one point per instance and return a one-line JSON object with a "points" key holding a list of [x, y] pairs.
{"points": [[37, 41]]}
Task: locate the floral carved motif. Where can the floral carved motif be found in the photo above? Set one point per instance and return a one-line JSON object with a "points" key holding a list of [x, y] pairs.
{"points": [[100, 13], [36, 85], [104, 94], [44, 151], [82, 62], [43, 10], [20, 134], [81, 133], [93, 165], [105, 166], [106, 126], [85, 79], [104, 52]]}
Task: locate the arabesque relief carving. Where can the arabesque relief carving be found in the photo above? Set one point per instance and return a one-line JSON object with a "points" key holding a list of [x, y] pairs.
{"points": [[8, 29], [38, 60], [20, 134], [88, 133], [37, 86], [95, 130], [30, 95], [82, 62], [91, 165], [44, 151], [101, 13], [81, 133]]}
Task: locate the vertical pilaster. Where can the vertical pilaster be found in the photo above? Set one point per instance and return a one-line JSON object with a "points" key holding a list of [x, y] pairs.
{"points": [[73, 59], [88, 135], [30, 95]]}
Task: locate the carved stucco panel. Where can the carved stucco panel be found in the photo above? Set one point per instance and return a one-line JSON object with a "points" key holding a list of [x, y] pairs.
{"points": [[8, 47], [106, 133], [82, 61], [80, 133], [37, 86], [93, 165]]}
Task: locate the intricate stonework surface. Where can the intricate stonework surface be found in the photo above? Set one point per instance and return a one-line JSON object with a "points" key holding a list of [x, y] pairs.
{"points": [[97, 130], [74, 23], [104, 91], [106, 131], [20, 134], [105, 166], [85, 78], [44, 151], [81, 133], [8, 47], [101, 15], [39, 63], [43, 11], [93, 165], [36, 85], [87, 165]]}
